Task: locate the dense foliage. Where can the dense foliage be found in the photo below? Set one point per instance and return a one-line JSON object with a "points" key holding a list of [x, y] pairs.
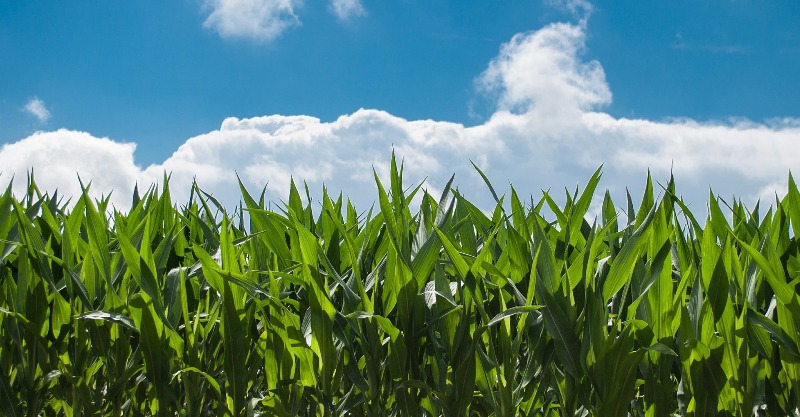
{"points": [[318, 309]]}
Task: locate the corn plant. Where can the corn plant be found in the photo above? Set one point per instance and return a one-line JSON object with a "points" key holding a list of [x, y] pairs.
{"points": [[529, 308]]}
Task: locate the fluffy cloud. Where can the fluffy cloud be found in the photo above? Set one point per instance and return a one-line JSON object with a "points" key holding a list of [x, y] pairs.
{"points": [[36, 107], [541, 74], [548, 131], [346, 9], [59, 158], [262, 20], [265, 20], [340, 154]]}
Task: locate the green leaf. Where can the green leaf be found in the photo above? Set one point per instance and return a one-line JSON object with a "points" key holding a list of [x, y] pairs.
{"points": [[235, 348], [784, 341], [110, 317], [773, 271], [557, 323], [622, 265], [455, 256], [487, 182], [511, 312]]}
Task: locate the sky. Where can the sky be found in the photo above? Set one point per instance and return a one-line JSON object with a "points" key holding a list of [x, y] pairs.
{"points": [[539, 94]]}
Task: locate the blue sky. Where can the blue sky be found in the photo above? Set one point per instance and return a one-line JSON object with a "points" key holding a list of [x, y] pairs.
{"points": [[165, 74]]}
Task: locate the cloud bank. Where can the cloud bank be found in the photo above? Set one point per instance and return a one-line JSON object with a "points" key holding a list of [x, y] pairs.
{"points": [[548, 131]]}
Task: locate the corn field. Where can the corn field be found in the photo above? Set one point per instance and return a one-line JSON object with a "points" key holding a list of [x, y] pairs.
{"points": [[531, 308]]}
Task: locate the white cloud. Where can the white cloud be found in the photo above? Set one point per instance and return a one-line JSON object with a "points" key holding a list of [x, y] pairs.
{"points": [[541, 74], [346, 9], [548, 131], [36, 107], [581, 9], [262, 20], [59, 158]]}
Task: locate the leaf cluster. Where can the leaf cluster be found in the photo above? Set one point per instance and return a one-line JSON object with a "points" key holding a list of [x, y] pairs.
{"points": [[317, 309]]}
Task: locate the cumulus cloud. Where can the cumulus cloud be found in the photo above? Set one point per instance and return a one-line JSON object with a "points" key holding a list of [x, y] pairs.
{"points": [[59, 158], [262, 20], [541, 74], [37, 108], [347, 9], [547, 131]]}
